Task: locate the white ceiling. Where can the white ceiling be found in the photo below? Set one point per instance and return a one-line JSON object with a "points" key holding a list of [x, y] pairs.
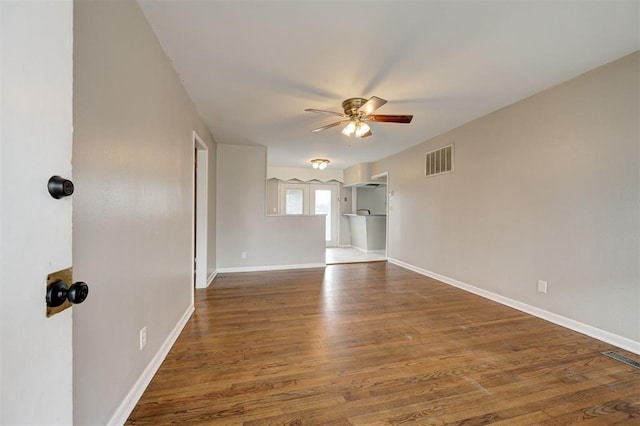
{"points": [[252, 67]]}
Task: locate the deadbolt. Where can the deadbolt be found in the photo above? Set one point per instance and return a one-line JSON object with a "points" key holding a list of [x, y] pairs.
{"points": [[59, 187]]}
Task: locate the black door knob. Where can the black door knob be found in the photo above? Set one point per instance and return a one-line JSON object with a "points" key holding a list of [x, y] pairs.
{"points": [[78, 292], [59, 187], [59, 291], [56, 294]]}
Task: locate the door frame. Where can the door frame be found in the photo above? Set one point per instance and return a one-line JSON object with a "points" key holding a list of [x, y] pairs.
{"points": [[200, 220]]}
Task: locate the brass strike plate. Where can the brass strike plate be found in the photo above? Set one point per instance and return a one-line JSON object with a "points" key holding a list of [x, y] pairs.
{"points": [[65, 275]]}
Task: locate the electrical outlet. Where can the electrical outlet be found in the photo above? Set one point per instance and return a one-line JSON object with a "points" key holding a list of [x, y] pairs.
{"points": [[243, 254], [143, 337], [542, 286]]}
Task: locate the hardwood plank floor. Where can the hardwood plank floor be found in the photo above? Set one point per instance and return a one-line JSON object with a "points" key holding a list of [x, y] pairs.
{"points": [[376, 344]]}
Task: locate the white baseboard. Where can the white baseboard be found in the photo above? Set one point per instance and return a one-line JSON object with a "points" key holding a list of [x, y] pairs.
{"points": [[211, 277], [596, 333], [134, 395], [270, 268]]}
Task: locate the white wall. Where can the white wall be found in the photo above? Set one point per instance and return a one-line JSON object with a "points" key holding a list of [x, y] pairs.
{"points": [[547, 188], [242, 226], [133, 166], [36, 77]]}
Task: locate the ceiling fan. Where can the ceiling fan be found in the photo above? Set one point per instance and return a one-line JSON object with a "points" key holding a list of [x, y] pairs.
{"points": [[357, 111]]}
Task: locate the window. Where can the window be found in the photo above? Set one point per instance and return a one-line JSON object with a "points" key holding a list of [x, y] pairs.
{"points": [[294, 201]]}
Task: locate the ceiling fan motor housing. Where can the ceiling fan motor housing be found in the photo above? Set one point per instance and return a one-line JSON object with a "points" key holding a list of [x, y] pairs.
{"points": [[351, 105]]}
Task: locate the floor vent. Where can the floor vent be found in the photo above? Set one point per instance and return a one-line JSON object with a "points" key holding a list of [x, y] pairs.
{"points": [[439, 161], [622, 358]]}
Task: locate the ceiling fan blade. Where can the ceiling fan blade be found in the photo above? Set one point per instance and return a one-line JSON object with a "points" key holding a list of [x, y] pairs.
{"points": [[339, 114], [391, 118], [328, 126], [371, 105], [366, 134]]}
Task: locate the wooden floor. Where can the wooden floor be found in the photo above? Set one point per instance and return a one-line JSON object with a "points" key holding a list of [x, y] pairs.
{"points": [[376, 344]]}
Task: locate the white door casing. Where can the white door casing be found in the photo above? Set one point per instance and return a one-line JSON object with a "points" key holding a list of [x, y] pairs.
{"points": [[35, 229], [200, 213]]}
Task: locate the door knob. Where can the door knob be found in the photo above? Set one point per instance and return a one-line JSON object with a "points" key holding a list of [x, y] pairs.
{"points": [[78, 292], [59, 187], [59, 291]]}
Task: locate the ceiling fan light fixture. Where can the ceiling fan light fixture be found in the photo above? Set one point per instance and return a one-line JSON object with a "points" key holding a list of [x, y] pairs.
{"points": [[361, 129], [350, 128], [320, 163]]}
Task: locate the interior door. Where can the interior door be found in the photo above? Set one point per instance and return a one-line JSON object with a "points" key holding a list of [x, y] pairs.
{"points": [[35, 229]]}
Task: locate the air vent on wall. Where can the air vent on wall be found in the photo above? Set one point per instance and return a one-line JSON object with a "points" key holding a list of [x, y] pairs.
{"points": [[439, 161]]}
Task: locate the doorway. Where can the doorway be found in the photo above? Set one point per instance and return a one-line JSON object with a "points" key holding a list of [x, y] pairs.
{"points": [[372, 204]]}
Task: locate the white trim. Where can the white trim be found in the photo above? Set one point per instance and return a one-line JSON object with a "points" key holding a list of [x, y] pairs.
{"points": [[596, 333], [211, 277], [200, 209], [129, 403], [270, 268], [305, 174]]}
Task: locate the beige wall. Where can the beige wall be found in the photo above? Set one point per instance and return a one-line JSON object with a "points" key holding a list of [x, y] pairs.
{"points": [[242, 225], [548, 189], [133, 206]]}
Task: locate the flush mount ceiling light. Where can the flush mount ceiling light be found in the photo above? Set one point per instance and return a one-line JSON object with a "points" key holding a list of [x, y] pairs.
{"points": [[356, 112], [320, 163]]}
